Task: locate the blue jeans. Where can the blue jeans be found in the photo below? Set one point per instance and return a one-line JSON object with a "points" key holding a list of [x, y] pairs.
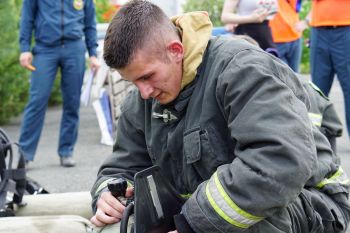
{"points": [[330, 55], [290, 53], [71, 59]]}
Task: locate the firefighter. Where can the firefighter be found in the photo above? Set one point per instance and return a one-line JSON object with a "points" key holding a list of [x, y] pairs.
{"points": [[227, 123]]}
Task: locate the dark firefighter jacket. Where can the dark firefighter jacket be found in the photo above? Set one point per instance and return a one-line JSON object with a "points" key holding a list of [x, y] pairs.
{"points": [[242, 143], [242, 132]]}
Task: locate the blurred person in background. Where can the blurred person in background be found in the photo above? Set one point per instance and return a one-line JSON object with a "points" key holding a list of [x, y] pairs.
{"points": [[252, 17], [59, 28], [287, 32], [330, 47]]}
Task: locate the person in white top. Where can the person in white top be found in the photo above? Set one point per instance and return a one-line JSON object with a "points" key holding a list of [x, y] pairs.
{"points": [[252, 18]]}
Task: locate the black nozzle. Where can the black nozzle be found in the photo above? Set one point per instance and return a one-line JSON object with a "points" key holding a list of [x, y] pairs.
{"points": [[117, 187]]}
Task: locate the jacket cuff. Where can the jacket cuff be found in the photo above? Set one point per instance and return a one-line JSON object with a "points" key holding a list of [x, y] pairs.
{"points": [[203, 217], [195, 217], [24, 48], [92, 52]]}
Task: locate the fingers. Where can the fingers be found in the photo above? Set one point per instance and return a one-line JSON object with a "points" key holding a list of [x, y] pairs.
{"points": [[25, 59], [301, 26], [230, 27], [110, 205], [261, 14], [100, 219], [94, 63], [109, 210], [129, 192], [96, 222], [94, 66]]}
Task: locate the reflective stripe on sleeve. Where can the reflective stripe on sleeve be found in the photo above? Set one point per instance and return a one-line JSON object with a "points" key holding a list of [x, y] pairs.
{"points": [[339, 177], [103, 185], [316, 88], [316, 119], [186, 196], [225, 207]]}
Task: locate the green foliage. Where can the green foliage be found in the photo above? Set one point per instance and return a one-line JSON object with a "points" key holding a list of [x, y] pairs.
{"points": [[213, 7], [18, 4], [13, 79], [305, 59], [101, 7], [105, 11]]}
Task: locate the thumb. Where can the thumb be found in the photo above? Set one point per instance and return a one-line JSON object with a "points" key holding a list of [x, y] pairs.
{"points": [[129, 192]]}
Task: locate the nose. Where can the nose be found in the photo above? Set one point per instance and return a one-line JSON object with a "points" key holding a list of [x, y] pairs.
{"points": [[145, 89]]}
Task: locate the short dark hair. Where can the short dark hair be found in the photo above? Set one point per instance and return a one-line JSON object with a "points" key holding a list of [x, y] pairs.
{"points": [[137, 24]]}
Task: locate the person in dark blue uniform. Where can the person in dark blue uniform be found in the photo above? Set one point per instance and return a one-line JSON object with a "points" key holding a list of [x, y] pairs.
{"points": [[60, 29]]}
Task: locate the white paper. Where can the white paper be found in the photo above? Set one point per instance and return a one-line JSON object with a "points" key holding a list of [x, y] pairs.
{"points": [[106, 137], [86, 93]]}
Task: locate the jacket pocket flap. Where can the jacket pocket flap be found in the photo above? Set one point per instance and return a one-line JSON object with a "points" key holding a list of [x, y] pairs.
{"points": [[192, 147]]}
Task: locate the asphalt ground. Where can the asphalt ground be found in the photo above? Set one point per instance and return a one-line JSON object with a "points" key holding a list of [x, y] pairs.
{"points": [[88, 153]]}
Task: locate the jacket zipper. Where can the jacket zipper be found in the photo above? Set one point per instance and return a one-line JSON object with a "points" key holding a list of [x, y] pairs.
{"points": [[62, 22]]}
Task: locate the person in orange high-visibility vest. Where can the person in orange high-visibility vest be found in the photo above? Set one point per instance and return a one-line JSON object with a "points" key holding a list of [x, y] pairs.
{"points": [[287, 31], [330, 47]]}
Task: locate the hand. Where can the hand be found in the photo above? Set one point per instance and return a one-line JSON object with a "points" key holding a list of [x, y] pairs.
{"points": [[301, 26], [172, 232], [94, 63], [230, 27], [25, 59], [259, 15], [109, 209]]}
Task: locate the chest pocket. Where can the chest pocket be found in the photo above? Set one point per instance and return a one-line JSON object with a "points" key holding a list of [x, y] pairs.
{"points": [[200, 160]]}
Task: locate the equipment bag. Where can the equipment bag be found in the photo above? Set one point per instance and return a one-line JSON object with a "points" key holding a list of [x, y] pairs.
{"points": [[12, 180]]}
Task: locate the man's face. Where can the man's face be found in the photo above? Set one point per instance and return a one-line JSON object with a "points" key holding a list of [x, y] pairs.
{"points": [[154, 77]]}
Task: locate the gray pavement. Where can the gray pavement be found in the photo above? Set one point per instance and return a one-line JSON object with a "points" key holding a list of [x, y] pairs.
{"points": [[88, 153]]}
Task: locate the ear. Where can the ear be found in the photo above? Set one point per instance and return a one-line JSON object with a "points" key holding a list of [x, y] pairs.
{"points": [[176, 50]]}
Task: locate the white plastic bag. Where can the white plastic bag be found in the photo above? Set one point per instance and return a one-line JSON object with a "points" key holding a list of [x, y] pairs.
{"points": [[86, 93], [104, 117]]}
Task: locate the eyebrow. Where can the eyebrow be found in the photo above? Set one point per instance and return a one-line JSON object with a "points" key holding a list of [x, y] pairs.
{"points": [[144, 76], [141, 77]]}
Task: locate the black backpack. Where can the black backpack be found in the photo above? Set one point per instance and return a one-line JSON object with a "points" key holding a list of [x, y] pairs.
{"points": [[12, 180]]}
